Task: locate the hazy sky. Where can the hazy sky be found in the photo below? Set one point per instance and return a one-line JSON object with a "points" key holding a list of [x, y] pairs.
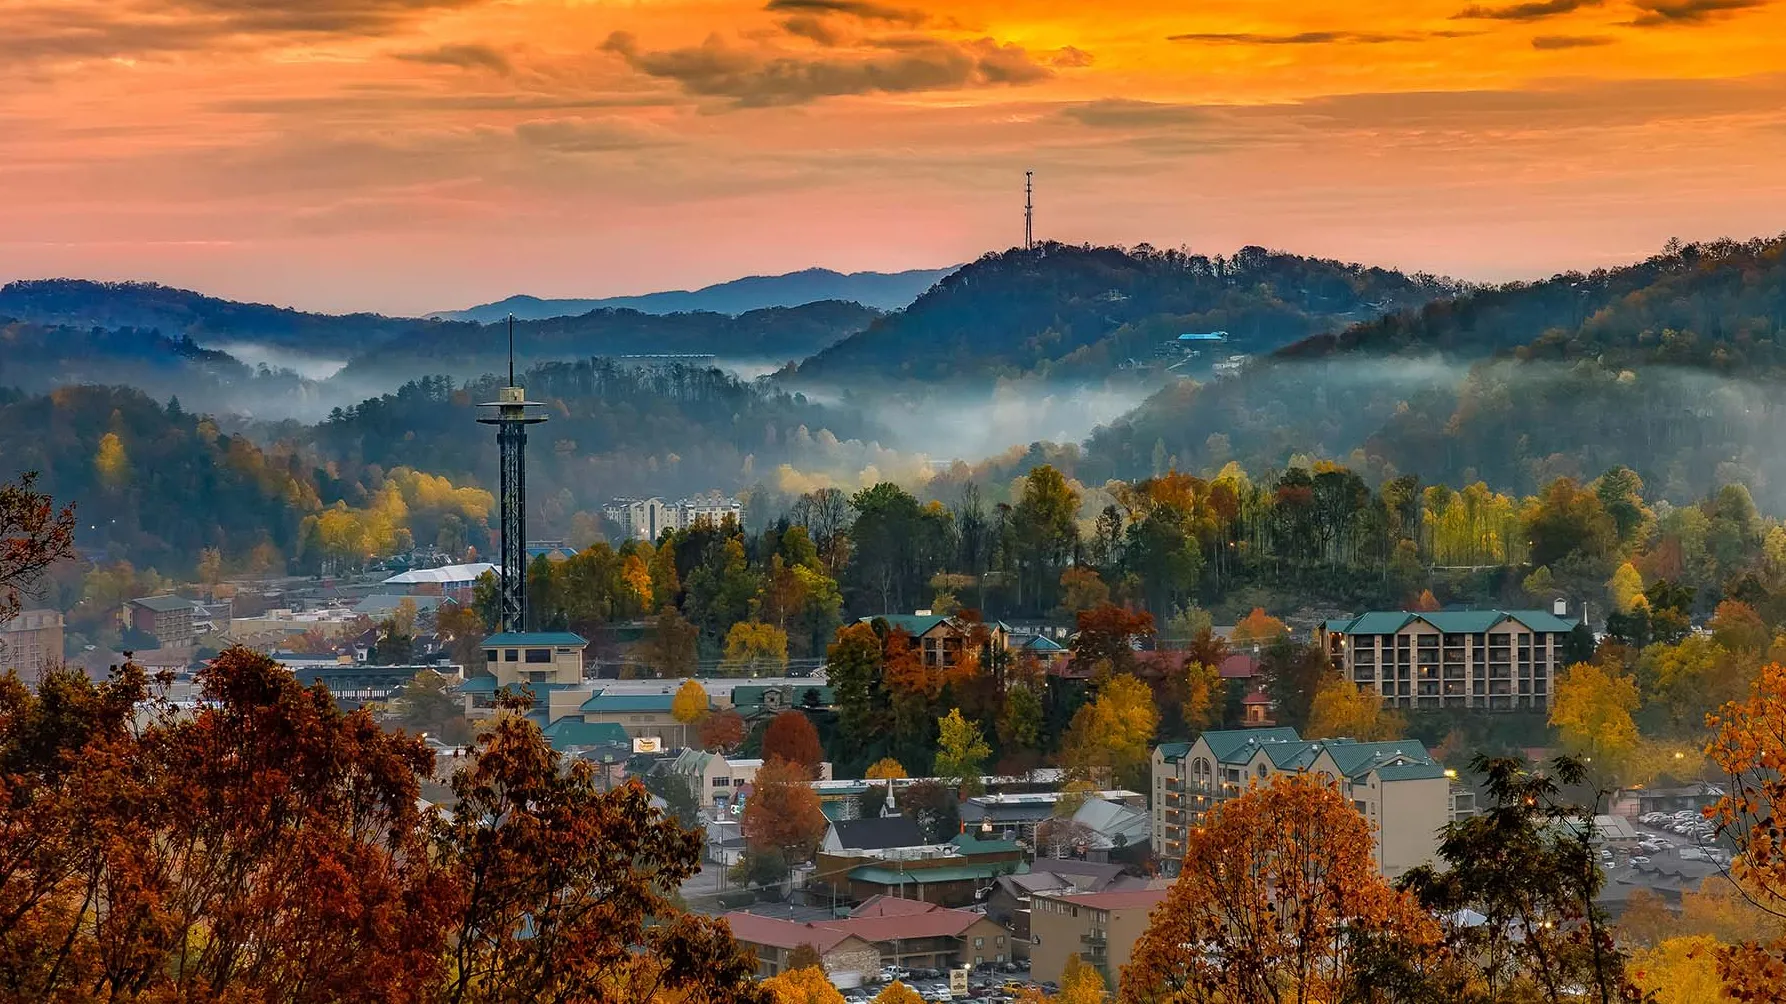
{"points": [[407, 155]]}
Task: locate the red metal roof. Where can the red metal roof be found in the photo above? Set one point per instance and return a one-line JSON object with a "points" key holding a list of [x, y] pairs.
{"points": [[894, 918], [749, 927], [1240, 666]]}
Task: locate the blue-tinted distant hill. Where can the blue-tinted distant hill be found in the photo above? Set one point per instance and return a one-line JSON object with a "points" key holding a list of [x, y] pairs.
{"points": [[880, 290]]}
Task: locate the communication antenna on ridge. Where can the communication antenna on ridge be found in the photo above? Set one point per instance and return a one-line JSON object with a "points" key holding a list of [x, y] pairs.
{"points": [[511, 350], [1029, 210]]}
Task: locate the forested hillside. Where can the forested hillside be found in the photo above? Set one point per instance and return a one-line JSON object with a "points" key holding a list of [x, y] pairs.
{"points": [[39, 358], [774, 334], [1668, 366], [1064, 310], [612, 430], [375, 344], [204, 319]]}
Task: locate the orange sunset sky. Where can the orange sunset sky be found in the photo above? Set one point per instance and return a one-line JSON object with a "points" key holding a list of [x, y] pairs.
{"points": [[411, 155]]}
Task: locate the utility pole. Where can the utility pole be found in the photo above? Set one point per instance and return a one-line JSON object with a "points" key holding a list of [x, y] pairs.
{"points": [[1029, 210]]}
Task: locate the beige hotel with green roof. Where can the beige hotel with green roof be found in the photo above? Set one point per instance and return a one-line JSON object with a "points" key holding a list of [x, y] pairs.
{"points": [[1493, 660], [1400, 790]]}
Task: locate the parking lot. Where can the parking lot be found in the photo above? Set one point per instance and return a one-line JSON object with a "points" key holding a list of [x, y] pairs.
{"points": [[1685, 835], [989, 984]]}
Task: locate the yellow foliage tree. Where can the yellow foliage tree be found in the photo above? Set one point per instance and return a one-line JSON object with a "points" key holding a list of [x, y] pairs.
{"points": [[1626, 589], [803, 986], [637, 576], [885, 769], [1260, 628], [1080, 983], [1342, 708], [898, 993], [1592, 709], [690, 704], [961, 751], [1110, 738], [1750, 748], [110, 461], [1680, 971], [754, 647], [1203, 695]]}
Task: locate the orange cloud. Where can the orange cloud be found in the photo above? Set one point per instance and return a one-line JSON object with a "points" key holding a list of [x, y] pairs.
{"points": [[410, 154]]}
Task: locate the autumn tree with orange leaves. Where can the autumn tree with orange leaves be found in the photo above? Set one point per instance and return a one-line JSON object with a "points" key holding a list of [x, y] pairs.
{"points": [[1750, 747], [791, 737], [782, 815], [34, 535], [1279, 901], [269, 847]]}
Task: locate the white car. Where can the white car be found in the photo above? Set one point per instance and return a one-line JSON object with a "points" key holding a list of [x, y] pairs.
{"points": [[1639, 859]]}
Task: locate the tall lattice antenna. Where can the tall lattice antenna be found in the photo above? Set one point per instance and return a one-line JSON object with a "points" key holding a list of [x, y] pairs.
{"points": [[1029, 210], [511, 350]]}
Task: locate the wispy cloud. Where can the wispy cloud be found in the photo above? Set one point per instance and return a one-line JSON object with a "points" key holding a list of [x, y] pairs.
{"points": [[1312, 37], [757, 76], [1549, 43], [467, 56], [1536, 10], [1664, 13], [863, 9]]}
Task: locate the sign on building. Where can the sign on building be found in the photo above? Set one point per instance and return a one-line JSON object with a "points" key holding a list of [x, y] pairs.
{"points": [[648, 744]]}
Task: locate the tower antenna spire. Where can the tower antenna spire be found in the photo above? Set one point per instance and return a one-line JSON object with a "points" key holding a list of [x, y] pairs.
{"points": [[511, 350], [1029, 210]]}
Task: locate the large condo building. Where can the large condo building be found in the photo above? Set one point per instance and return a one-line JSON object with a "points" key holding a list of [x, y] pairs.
{"points": [[1397, 786], [1498, 660], [648, 518]]}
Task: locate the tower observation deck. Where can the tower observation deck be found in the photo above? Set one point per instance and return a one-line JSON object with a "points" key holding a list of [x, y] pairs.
{"points": [[512, 413]]}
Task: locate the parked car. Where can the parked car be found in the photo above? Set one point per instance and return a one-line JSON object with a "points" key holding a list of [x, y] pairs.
{"points": [[1640, 860]]}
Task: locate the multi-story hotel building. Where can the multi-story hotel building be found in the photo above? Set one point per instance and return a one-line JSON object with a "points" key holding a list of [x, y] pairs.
{"points": [[1397, 786], [1497, 660]]}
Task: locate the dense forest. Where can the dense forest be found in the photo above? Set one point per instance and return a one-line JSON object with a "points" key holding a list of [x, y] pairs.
{"points": [[40, 358], [612, 430], [1666, 366], [1058, 310]]}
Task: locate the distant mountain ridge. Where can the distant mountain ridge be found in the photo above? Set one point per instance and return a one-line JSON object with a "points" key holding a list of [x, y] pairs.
{"points": [[880, 290], [159, 316]]}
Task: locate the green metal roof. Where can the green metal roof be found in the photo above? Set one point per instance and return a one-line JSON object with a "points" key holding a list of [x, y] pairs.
{"points": [[1463, 621], [1238, 745], [1543, 620], [629, 702], [911, 624], [1354, 759], [1174, 752], [518, 639], [1411, 772], [478, 685], [925, 876], [1040, 644], [752, 695], [970, 843], [1381, 622], [1449, 621], [567, 732], [1293, 756]]}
